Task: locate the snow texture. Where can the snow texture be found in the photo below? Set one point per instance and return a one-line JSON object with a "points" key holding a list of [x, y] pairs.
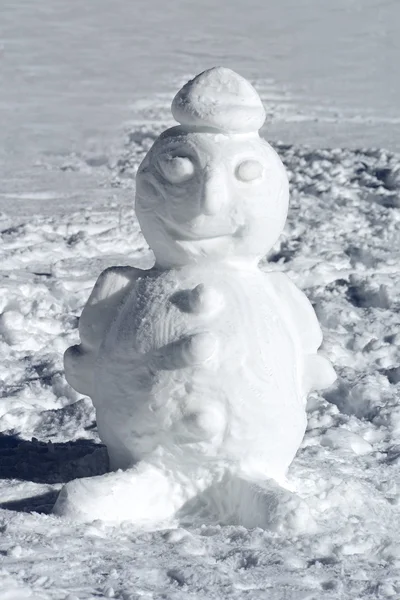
{"points": [[221, 99], [336, 535], [70, 76], [199, 368]]}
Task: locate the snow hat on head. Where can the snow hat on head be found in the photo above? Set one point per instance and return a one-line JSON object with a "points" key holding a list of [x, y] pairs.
{"points": [[221, 99]]}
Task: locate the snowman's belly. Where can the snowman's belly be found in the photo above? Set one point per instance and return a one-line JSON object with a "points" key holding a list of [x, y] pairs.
{"points": [[245, 395]]}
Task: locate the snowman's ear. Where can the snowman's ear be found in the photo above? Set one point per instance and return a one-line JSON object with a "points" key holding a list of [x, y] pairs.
{"points": [[107, 295]]}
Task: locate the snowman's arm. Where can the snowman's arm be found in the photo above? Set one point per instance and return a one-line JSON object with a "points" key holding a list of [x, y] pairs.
{"points": [[103, 304], [297, 311], [301, 318], [107, 296]]}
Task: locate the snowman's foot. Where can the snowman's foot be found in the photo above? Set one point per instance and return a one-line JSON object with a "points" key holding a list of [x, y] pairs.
{"points": [[237, 501], [145, 495], [274, 508]]}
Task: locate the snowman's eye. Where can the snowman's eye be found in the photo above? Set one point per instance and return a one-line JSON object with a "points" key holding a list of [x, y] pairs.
{"points": [[249, 170], [176, 169]]}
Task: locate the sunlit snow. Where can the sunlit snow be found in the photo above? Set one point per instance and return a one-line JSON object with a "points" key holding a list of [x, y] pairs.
{"points": [[85, 90]]}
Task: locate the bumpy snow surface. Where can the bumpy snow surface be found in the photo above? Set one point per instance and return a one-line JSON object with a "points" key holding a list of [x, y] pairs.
{"points": [[340, 538]]}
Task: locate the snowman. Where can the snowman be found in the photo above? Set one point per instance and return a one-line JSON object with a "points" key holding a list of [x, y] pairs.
{"points": [[198, 368]]}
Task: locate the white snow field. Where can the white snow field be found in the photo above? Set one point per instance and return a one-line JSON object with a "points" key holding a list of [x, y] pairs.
{"points": [[85, 89]]}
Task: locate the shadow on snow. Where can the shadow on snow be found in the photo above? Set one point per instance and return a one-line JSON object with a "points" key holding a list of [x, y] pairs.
{"points": [[47, 463]]}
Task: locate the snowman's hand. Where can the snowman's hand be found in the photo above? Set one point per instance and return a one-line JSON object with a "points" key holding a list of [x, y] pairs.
{"points": [[107, 296], [105, 300], [189, 351], [318, 373], [200, 300], [79, 367]]}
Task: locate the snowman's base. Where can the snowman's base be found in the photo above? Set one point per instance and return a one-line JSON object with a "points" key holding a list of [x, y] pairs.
{"points": [[153, 498]]}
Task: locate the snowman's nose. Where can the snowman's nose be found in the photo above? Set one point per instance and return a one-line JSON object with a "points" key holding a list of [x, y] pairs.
{"points": [[213, 193]]}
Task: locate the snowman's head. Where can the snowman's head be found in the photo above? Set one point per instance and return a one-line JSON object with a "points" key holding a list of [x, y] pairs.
{"points": [[211, 188]]}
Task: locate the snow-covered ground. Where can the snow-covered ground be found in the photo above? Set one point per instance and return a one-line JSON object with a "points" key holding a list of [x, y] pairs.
{"points": [[84, 90]]}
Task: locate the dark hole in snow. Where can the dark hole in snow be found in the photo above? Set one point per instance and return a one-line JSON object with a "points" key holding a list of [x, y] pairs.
{"points": [[393, 375], [177, 577]]}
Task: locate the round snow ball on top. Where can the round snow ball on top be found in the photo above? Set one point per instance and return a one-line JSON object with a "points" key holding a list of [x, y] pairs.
{"points": [[221, 99]]}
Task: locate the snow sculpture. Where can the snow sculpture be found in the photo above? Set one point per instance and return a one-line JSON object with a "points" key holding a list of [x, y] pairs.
{"points": [[198, 368]]}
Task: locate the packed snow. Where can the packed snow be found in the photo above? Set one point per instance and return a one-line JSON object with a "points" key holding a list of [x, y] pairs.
{"points": [[341, 246], [67, 214], [199, 368]]}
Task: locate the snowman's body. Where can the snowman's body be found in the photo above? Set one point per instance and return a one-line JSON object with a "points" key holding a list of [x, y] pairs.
{"points": [[244, 403], [198, 368]]}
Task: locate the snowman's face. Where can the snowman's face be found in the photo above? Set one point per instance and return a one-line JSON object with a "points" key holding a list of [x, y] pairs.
{"points": [[206, 194]]}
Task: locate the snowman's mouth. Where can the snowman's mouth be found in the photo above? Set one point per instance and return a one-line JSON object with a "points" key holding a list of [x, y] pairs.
{"points": [[188, 236], [180, 234], [198, 238]]}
